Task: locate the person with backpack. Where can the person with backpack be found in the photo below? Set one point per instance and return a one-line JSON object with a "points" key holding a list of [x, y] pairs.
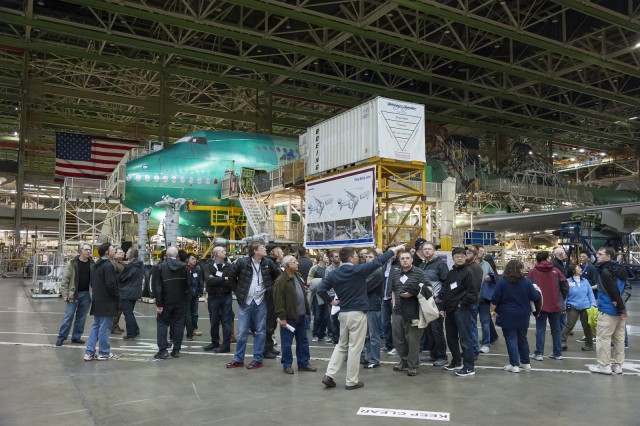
{"points": [[612, 314]]}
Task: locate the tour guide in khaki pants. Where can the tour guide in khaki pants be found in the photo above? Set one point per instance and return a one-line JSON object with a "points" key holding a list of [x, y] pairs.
{"points": [[349, 283]]}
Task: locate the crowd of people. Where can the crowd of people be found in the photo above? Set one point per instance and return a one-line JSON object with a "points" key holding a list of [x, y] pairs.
{"points": [[356, 300]]}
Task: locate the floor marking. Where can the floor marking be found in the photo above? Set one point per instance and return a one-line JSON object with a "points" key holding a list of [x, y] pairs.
{"points": [[70, 412], [404, 414], [196, 391]]}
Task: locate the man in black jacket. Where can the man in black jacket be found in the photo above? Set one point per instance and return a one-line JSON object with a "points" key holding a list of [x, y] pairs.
{"points": [[405, 284], [172, 292], [196, 289], [454, 303], [275, 254], [435, 272], [251, 277], [304, 263], [130, 284], [219, 301], [104, 306], [375, 282]]}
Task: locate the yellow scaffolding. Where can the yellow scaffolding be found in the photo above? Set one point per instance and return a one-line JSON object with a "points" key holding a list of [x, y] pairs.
{"points": [[400, 198], [223, 219]]}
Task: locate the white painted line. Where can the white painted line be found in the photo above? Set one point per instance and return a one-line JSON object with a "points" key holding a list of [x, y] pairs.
{"points": [[196, 391], [404, 414], [140, 400], [69, 412]]}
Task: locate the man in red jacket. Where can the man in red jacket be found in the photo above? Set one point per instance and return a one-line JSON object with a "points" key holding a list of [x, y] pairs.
{"points": [[554, 288]]}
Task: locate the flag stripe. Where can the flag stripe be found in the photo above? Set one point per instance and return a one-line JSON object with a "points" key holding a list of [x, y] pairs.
{"points": [[86, 156]]}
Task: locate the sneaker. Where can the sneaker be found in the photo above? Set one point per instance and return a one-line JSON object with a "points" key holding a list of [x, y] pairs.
{"points": [[392, 352], [162, 354], [328, 382], [59, 342], [328, 339], [584, 338], [372, 365], [412, 372], [401, 366], [211, 346], [587, 348], [558, 357], [616, 369], [600, 369], [452, 366], [235, 364], [221, 350], [537, 357], [526, 367], [254, 365], [106, 357], [485, 349], [465, 372], [128, 338], [440, 362], [78, 341], [175, 354], [89, 357], [197, 333], [512, 368], [314, 340]]}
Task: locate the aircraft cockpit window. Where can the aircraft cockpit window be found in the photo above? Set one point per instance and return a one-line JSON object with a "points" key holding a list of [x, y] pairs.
{"points": [[193, 139]]}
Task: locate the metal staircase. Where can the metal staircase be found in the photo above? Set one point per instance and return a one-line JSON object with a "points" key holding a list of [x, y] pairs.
{"points": [[459, 163], [254, 210]]}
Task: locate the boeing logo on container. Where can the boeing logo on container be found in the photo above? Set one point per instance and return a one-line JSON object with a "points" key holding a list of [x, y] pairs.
{"points": [[401, 107]]}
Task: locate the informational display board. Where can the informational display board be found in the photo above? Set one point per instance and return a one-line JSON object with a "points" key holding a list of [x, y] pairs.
{"points": [[340, 210]]}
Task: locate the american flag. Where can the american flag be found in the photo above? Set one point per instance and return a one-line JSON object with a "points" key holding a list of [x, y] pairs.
{"points": [[85, 156]]}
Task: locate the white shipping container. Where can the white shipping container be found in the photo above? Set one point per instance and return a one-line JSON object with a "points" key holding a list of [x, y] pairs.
{"points": [[382, 127]]}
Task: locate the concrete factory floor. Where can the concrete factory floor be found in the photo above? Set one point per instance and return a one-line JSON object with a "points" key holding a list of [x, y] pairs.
{"points": [[44, 384]]}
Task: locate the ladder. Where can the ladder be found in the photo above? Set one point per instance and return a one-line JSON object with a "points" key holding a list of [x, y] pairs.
{"points": [[254, 209]]}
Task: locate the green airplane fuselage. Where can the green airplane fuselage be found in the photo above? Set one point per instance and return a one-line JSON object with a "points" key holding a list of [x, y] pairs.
{"points": [[193, 168]]}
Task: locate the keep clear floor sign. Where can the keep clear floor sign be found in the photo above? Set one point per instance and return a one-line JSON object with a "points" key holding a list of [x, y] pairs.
{"points": [[404, 414]]}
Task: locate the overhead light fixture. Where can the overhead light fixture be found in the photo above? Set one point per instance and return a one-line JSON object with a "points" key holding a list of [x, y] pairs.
{"points": [[634, 118], [554, 155], [581, 150], [41, 3], [603, 154], [637, 45], [15, 133], [530, 152], [573, 158]]}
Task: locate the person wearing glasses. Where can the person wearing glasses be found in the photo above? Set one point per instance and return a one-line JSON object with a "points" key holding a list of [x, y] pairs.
{"points": [[455, 303], [74, 288], [291, 308]]}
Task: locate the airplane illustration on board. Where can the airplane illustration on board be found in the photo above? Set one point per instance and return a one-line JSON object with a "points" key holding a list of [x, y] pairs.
{"points": [[317, 205], [352, 201]]}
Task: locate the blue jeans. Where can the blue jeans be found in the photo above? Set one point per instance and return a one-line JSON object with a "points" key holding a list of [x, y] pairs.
{"points": [[99, 333], [372, 344], [79, 308], [255, 317], [473, 323], [459, 336], [220, 310], [129, 319], [302, 342], [517, 345], [556, 332], [489, 333], [386, 323]]}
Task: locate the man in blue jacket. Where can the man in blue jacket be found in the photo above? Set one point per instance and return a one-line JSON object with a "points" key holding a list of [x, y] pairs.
{"points": [[349, 283], [612, 314]]}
